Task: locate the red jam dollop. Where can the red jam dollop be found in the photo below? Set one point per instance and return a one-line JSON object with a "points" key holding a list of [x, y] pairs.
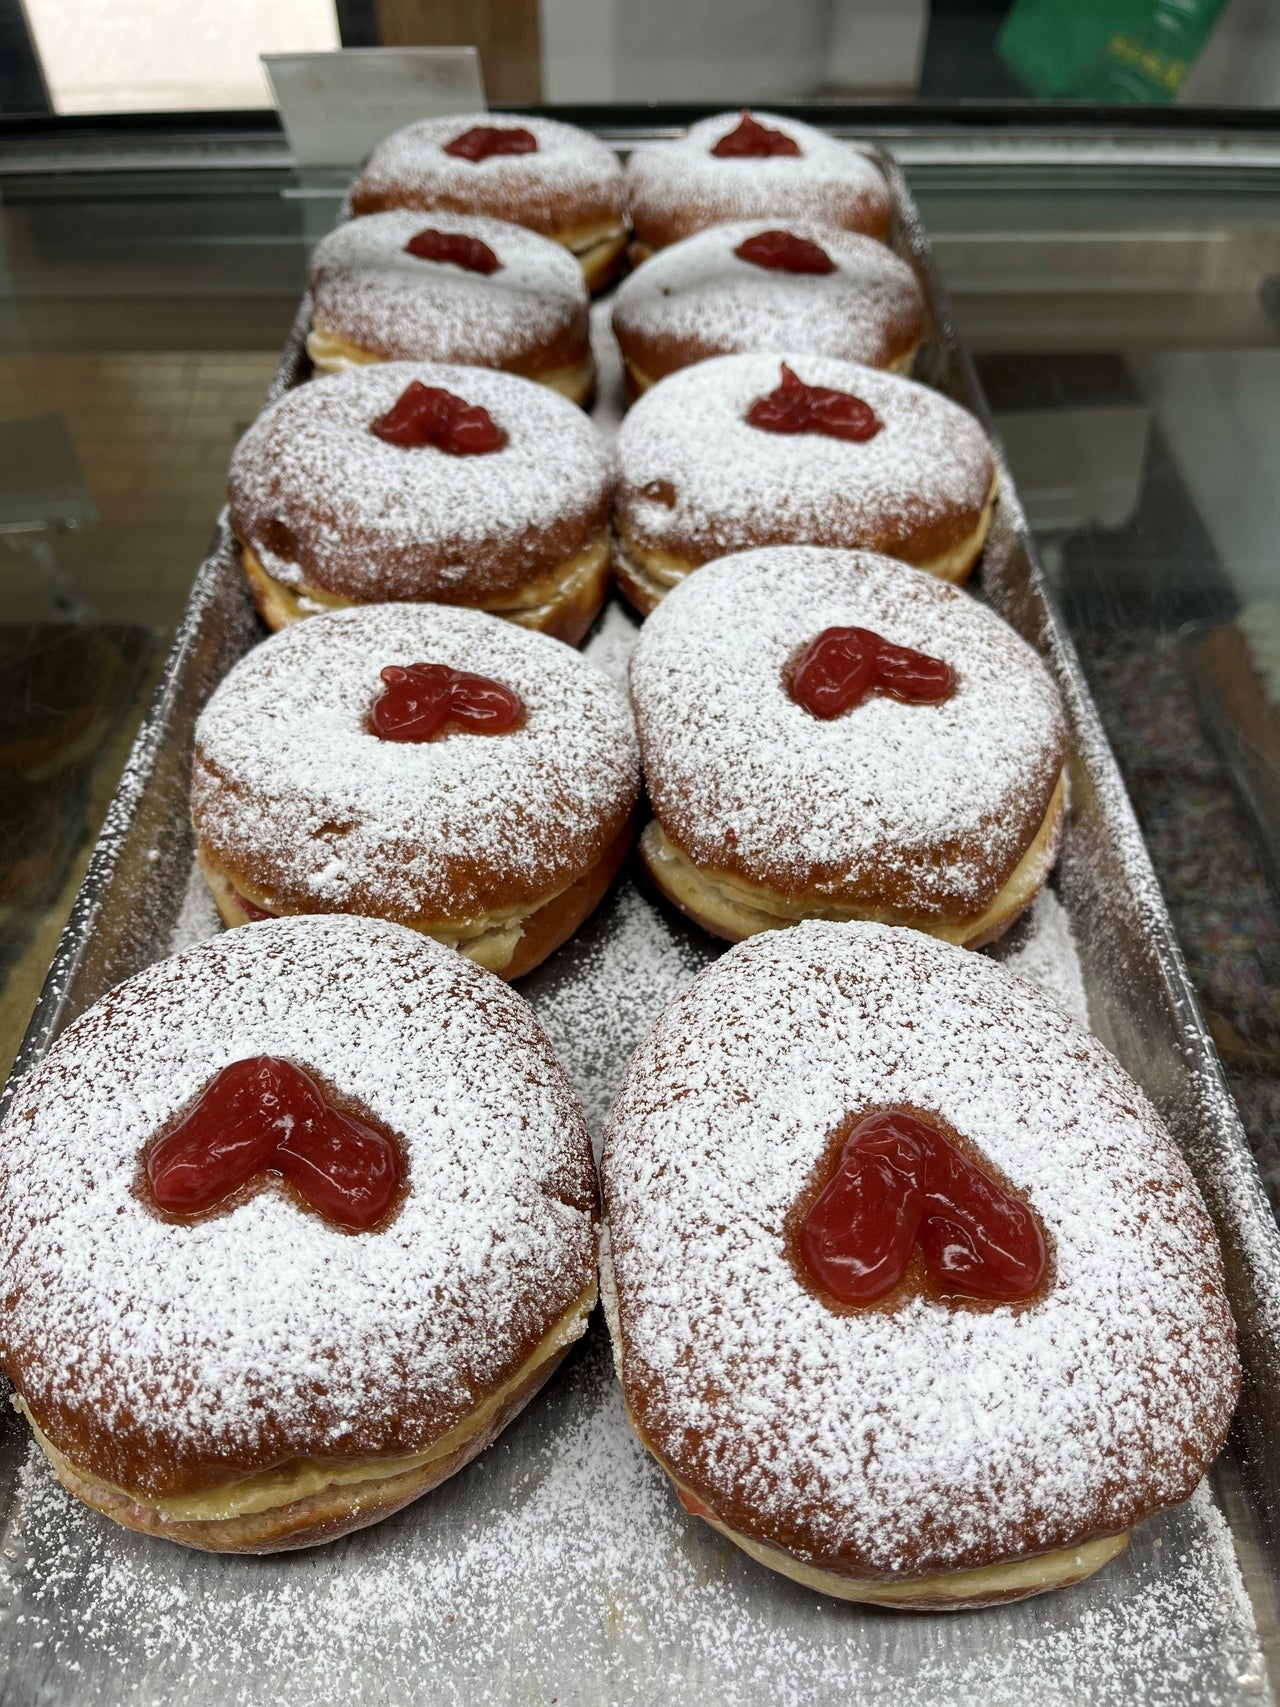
{"points": [[900, 1183], [784, 252], [694, 1506], [799, 408], [842, 666], [482, 140], [250, 909], [467, 252], [264, 1115], [419, 700], [430, 415], [751, 140]]}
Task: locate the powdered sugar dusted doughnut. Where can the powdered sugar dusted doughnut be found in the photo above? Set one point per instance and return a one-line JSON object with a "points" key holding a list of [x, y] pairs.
{"points": [[699, 298], [569, 186], [329, 514], [258, 1378], [697, 480], [500, 844], [677, 188], [946, 817], [930, 1450], [375, 300]]}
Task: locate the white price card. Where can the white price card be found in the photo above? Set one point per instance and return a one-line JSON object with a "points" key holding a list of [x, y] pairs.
{"points": [[336, 106]]}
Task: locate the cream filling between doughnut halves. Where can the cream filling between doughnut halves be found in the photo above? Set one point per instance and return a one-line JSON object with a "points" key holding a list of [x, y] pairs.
{"points": [[902, 364], [331, 353], [304, 1477], [491, 941], [657, 571], [596, 248], [738, 909], [531, 606]]}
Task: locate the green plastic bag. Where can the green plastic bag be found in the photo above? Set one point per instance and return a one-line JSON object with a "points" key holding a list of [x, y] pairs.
{"points": [[1105, 50]]}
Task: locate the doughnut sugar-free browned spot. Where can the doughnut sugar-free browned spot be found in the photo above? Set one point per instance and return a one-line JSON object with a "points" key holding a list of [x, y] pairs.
{"points": [[497, 843], [256, 1378], [926, 1452], [700, 298], [679, 187], [327, 514], [943, 817], [569, 187], [697, 480], [374, 301]]}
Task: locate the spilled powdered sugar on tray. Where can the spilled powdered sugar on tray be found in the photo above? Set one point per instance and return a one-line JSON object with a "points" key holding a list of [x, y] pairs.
{"points": [[1039, 948], [198, 918], [611, 392]]}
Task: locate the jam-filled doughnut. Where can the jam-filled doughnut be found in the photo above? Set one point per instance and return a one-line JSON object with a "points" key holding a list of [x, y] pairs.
{"points": [[448, 287], [420, 480], [419, 763], [827, 734], [551, 177], [751, 165], [749, 450], [911, 1294], [291, 1226], [766, 284]]}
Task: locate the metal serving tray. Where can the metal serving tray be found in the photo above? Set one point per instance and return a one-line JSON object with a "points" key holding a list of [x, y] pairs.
{"points": [[558, 1568]]}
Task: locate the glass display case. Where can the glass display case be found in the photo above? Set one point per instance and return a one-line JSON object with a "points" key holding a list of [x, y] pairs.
{"points": [[1114, 274]]}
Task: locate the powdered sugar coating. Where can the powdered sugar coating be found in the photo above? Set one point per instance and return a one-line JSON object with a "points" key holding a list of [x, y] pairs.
{"points": [[916, 488], [675, 188], [376, 521], [927, 1437], [175, 1344], [291, 785], [571, 179], [368, 289], [1040, 949], [924, 807], [699, 296]]}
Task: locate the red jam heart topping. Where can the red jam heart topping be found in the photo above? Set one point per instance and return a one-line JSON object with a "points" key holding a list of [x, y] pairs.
{"points": [[468, 252], [799, 408], [900, 1183], [751, 140], [430, 415], [264, 1115], [420, 699], [482, 140], [783, 252], [842, 666]]}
